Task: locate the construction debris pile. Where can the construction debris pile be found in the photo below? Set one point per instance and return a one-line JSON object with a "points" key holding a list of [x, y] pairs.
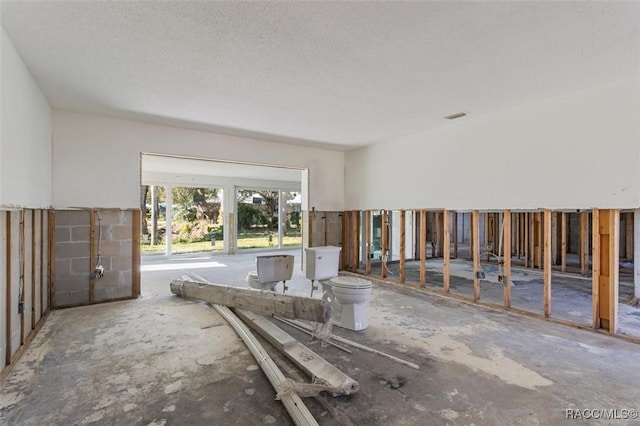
{"points": [[246, 307]]}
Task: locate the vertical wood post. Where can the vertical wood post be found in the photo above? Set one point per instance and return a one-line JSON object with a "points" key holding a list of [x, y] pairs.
{"points": [[628, 233], [9, 307], [606, 240], [446, 248], [135, 255], [402, 245], [423, 248], [43, 241], [636, 254], [367, 231], [563, 241], [506, 273], [547, 262], [475, 237], [355, 241], [525, 242], [384, 244], [455, 235], [584, 243], [33, 269]]}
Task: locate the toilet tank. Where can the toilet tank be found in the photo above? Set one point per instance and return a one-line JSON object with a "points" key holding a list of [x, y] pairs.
{"points": [[322, 262], [274, 268]]}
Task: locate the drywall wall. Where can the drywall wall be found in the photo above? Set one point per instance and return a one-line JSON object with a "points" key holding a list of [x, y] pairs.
{"points": [[577, 151], [96, 159], [25, 141]]}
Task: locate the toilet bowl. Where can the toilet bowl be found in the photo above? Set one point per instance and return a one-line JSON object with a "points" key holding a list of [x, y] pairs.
{"points": [[348, 296], [270, 270]]}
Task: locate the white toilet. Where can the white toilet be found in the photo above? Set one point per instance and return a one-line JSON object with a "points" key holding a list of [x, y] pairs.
{"points": [[270, 271], [347, 295]]}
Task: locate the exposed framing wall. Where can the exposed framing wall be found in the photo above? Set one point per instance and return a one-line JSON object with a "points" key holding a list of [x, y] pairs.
{"points": [[24, 279]]}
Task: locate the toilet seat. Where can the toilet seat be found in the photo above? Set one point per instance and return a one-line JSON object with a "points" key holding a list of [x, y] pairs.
{"points": [[354, 283]]}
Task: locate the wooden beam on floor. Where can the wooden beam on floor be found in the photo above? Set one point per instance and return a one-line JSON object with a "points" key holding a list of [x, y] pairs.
{"points": [[547, 255], [258, 301], [384, 243], [403, 247], [367, 238], [506, 272], [475, 238], [446, 248], [423, 248], [584, 243]]}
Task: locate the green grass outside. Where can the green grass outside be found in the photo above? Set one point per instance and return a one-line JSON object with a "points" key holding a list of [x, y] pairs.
{"points": [[244, 242]]}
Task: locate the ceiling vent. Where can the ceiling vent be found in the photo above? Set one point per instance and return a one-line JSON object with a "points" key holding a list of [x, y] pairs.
{"points": [[456, 115]]}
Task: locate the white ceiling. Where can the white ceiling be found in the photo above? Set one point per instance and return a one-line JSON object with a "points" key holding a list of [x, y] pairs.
{"points": [[338, 73]]}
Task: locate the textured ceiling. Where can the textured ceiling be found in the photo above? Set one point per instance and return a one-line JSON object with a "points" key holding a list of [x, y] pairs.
{"points": [[338, 73]]}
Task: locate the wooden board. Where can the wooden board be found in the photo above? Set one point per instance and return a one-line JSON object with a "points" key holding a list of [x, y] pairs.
{"points": [[595, 264], [446, 247], [423, 248], [506, 272], [563, 241], [475, 237], [367, 231], [402, 253], [9, 307], [384, 243], [316, 367], [258, 301], [584, 243], [605, 288], [547, 255]]}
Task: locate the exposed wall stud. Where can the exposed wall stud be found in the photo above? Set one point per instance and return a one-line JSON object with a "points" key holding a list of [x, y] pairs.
{"points": [[547, 254], [605, 264], [367, 231], [446, 246], [423, 248], [563, 241], [506, 272], [403, 245], [9, 306], [584, 243], [384, 243], [475, 237]]}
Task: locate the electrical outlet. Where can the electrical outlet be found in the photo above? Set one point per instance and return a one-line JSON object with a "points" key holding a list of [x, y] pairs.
{"points": [[99, 272]]}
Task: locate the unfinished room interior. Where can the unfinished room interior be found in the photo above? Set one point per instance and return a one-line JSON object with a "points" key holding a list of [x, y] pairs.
{"points": [[334, 213]]}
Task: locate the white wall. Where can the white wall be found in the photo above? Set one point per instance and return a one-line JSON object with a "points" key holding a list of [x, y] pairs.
{"points": [[25, 142], [578, 151], [96, 159]]}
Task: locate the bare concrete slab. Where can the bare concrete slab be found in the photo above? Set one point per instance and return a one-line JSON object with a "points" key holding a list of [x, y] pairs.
{"points": [[162, 360]]}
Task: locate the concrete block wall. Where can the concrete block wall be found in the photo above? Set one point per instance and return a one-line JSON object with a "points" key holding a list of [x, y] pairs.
{"points": [[113, 243]]}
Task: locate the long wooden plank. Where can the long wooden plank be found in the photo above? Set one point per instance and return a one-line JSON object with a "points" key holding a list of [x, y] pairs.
{"points": [[584, 243], [355, 227], [525, 241], [506, 272], [135, 255], [33, 269], [628, 236], [322, 372], [292, 402], [258, 301], [9, 307], [595, 264], [614, 260], [367, 231], [42, 261], [385, 244], [403, 248], [547, 255], [446, 247], [93, 257], [563, 241], [423, 248], [21, 254], [475, 237]]}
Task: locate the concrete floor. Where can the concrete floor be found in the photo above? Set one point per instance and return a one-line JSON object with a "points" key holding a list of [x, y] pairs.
{"points": [[162, 360]]}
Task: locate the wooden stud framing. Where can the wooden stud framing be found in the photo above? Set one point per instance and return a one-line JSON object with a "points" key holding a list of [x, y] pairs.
{"points": [[446, 246], [455, 235], [367, 238], [33, 269], [628, 240], [584, 243], [475, 238], [423, 248], [546, 225], [384, 243], [506, 272], [471, 231], [402, 245], [539, 240], [8, 293], [606, 234], [517, 235], [92, 254], [487, 231], [42, 260], [22, 254], [525, 241], [563, 241], [355, 226], [51, 225], [135, 255]]}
